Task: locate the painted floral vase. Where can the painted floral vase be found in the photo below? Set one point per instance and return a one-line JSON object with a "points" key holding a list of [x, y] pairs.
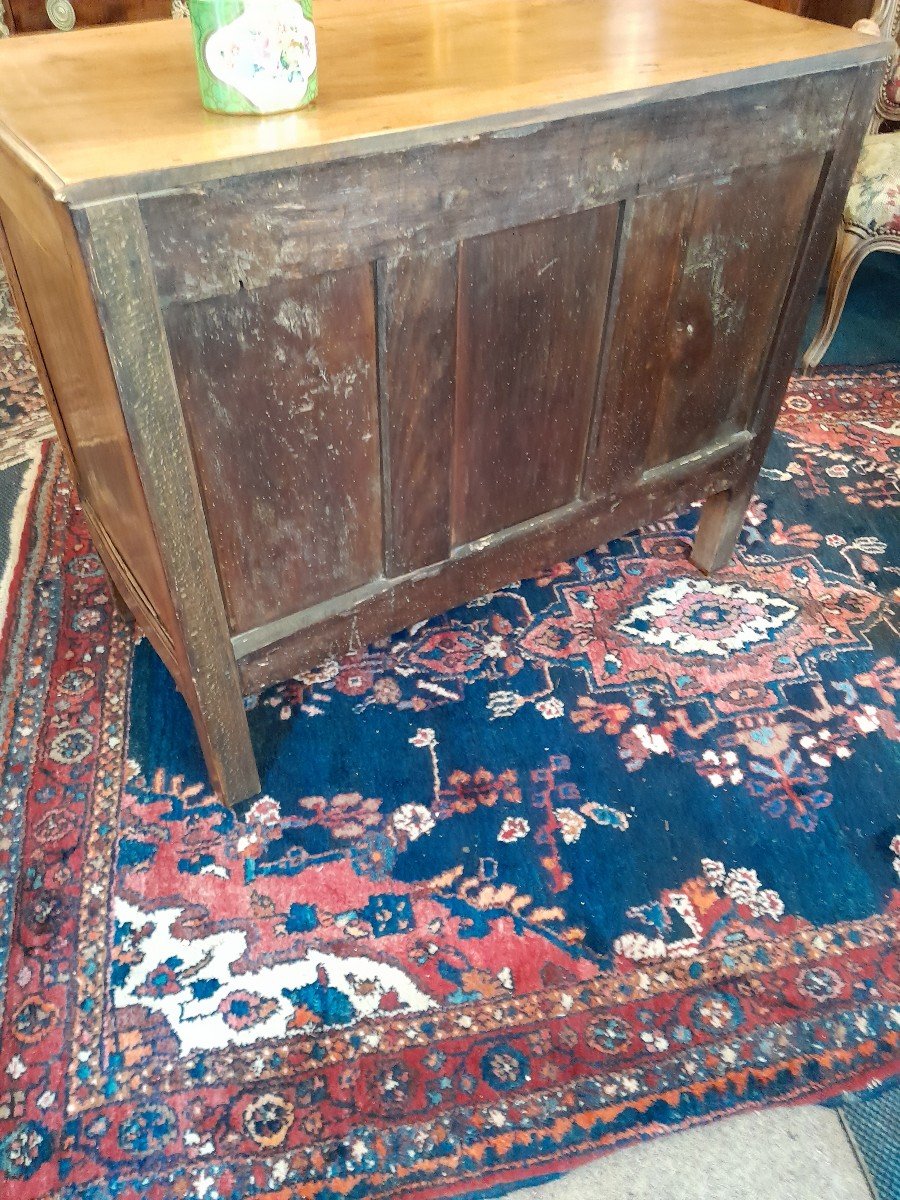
{"points": [[255, 56]]}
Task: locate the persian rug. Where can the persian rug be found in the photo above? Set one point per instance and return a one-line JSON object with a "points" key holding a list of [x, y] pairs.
{"points": [[23, 416], [607, 853]]}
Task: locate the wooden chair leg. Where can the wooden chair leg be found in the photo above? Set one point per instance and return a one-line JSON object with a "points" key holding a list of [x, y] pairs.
{"points": [[721, 520], [849, 252]]}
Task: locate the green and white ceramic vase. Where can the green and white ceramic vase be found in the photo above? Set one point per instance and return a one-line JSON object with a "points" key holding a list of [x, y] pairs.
{"points": [[255, 56]]}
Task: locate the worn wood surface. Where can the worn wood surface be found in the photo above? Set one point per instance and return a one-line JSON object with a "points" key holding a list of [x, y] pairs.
{"points": [[417, 385], [250, 230], [705, 273], [354, 620], [51, 289], [523, 398], [92, 437], [279, 393], [124, 102], [721, 521], [717, 527], [116, 252], [699, 279]]}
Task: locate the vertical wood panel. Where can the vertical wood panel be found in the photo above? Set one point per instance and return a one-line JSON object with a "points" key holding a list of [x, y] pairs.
{"points": [[638, 349], [740, 254], [705, 276], [279, 392], [417, 349], [116, 247], [532, 302], [717, 530]]}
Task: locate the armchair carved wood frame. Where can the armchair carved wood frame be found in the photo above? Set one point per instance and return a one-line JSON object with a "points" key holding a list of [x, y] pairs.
{"points": [[871, 219]]}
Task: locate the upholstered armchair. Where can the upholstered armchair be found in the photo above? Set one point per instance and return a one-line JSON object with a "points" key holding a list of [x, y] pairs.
{"points": [[871, 219]]}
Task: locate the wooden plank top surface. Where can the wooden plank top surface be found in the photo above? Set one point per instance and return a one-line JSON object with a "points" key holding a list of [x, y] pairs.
{"points": [[114, 109]]}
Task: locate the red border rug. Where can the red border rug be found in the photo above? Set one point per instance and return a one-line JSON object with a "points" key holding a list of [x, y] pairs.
{"points": [[608, 853]]}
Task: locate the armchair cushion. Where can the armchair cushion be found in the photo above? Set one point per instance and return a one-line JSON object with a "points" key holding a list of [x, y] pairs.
{"points": [[873, 204]]}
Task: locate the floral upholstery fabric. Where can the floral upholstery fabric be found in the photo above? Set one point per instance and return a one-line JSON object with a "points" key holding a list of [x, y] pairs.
{"points": [[873, 204]]}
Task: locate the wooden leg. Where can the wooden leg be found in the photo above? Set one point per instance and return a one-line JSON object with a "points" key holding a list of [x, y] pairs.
{"points": [[206, 670], [721, 521], [849, 251], [225, 741]]}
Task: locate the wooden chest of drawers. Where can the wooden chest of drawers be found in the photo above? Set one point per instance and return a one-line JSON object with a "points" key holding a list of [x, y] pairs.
{"points": [[527, 276]]}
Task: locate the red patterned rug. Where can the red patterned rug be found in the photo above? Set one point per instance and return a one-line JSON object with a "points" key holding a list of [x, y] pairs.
{"points": [[608, 853]]}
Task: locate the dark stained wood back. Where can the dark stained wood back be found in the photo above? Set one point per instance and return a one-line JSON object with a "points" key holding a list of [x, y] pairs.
{"points": [[279, 392], [483, 357], [705, 272], [531, 304]]}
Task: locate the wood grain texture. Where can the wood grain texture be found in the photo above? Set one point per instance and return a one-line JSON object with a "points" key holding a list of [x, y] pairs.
{"points": [[258, 228], [116, 252], [636, 354], [353, 620], [740, 242], [705, 275], [722, 468], [532, 303], [721, 521], [812, 255], [130, 597], [30, 16], [83, 403], [432, 70], [741, 247], [417, 368], [279, 394], [51, 288], [718, 528]]}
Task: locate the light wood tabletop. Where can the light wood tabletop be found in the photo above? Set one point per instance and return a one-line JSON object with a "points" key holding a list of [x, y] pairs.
{"points": [[118, 102]]}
